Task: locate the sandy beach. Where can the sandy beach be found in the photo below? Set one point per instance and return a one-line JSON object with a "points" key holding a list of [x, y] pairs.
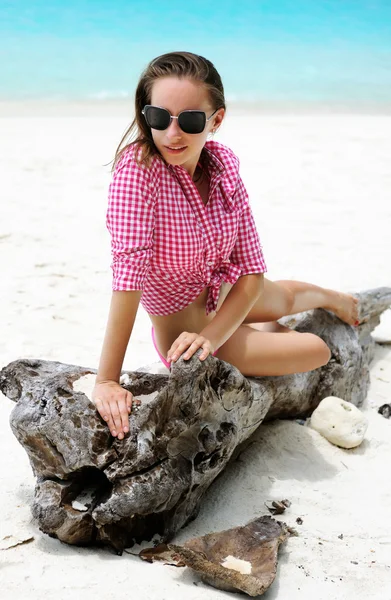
{"points": [[320, 189]]}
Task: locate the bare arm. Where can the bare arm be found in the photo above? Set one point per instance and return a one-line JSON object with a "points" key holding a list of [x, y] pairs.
{"points": [[123, 310], [112, 401], [247, 254], [231, 315], [130, 221], [234, 309]]}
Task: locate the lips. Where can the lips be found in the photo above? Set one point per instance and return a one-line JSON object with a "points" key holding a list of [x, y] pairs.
{"points": [[175, 150]]}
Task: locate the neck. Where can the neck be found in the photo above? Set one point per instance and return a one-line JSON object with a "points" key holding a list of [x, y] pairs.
{"points": [[198, 174], [191, 168]]}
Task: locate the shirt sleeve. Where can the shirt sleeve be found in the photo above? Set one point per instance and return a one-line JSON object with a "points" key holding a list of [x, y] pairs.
{"points": [[247, 252], [129, 219]]}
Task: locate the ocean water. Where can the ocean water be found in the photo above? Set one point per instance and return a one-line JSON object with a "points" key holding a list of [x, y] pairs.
{"points": [[266, 51]]}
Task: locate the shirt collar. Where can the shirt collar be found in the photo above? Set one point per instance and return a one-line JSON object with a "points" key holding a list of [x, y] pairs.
{"points": [[227, 165], [212, 158], [223, 165]]}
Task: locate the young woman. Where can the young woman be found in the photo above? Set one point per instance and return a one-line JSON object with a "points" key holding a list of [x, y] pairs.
{"points": [[184, 242]]}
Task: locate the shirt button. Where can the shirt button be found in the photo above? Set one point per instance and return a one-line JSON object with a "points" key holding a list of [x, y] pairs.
{"points": [[209, 263]]}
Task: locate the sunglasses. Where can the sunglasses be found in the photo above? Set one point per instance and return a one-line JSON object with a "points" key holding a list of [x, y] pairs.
{"points": [[190, 121]]}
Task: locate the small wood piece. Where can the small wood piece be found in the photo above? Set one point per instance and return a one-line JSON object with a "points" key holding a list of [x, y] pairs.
{"points": [[240, 559]]}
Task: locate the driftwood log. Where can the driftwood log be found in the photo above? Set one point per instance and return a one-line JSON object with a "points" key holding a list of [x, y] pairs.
{"points": [[95, 489]]}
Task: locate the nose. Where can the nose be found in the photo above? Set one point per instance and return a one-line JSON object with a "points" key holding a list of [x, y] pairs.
{"points": [[173, 131]]}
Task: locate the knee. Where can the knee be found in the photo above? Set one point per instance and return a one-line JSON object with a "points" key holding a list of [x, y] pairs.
{"points": [[321, 351], [289, 300]]}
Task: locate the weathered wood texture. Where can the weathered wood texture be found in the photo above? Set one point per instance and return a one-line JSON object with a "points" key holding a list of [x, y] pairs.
{"points": [[255, 545], [184, 433]]}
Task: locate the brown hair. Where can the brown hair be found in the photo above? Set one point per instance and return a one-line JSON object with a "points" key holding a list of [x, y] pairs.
{"points": [[177, 64]]}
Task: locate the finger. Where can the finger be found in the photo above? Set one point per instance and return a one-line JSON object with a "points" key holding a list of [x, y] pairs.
{"points": [[180, 338], [174, 348], [183, 346], [179, 350], [116, 418], [101, 408], [123, 410], [129, 401], [104, 411], [206, 350], [185, 338], [110, 422], [200, 342], [193, 348]]}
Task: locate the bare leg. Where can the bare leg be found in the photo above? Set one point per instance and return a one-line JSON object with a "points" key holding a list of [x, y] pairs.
{"points": [[281, 298], [307, 295], [271, 349]]}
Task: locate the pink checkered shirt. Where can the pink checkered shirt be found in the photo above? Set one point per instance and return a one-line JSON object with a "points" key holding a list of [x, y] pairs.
{"points": [[167, 243]]}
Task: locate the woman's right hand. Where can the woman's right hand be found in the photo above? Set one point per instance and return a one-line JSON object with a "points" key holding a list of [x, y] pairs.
{"points": [[114, 404]]}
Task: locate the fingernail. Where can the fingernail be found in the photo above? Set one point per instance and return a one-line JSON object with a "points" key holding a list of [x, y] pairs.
{"points": [[356, 323], [120, 436], [114, 432], [126, 429]]}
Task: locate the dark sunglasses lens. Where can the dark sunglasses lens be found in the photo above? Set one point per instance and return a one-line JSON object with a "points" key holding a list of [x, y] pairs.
{"points": [[157, 118], [192, 121]]}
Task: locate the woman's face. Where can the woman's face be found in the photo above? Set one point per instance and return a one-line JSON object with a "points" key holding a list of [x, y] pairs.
{"points": [[176, 95]]}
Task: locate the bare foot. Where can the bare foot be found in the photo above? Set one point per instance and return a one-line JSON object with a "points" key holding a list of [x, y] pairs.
{"points": [[345, 306]]}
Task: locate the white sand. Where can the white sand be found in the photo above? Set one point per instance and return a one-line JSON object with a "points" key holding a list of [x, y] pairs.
{"points": [[321, 190]]}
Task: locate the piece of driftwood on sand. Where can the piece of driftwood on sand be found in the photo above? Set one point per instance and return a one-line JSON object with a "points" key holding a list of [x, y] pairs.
{"points": [[93, 488], [240, 559]]}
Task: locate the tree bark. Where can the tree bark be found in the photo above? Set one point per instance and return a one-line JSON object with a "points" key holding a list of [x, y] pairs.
{"points": [[93, 488]]}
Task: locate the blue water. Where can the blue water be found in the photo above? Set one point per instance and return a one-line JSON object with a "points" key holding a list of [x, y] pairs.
{"points": [[317, 51]]}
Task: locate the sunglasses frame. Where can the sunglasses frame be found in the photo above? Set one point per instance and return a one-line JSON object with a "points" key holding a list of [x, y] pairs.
{"points": [[181, 113]]}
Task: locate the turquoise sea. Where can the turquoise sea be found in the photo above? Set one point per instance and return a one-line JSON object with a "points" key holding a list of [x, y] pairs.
{"points": [[335, 51]]}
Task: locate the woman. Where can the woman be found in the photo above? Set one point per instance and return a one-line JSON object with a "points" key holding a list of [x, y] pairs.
{"points": [[184, 243]]}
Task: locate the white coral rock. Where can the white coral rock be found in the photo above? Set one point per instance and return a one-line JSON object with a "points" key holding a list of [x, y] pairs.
{"points": [[340, 422]]}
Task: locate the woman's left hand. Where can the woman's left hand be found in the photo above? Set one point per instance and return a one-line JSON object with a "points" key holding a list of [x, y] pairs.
{"points": [[189, 342]]}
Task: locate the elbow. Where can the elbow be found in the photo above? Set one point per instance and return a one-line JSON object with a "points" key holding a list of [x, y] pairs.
{"points": [[259, 283], [251, 285]]}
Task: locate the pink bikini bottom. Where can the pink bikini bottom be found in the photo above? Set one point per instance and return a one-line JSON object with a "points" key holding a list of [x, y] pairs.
{"points": [[167, 364]]}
